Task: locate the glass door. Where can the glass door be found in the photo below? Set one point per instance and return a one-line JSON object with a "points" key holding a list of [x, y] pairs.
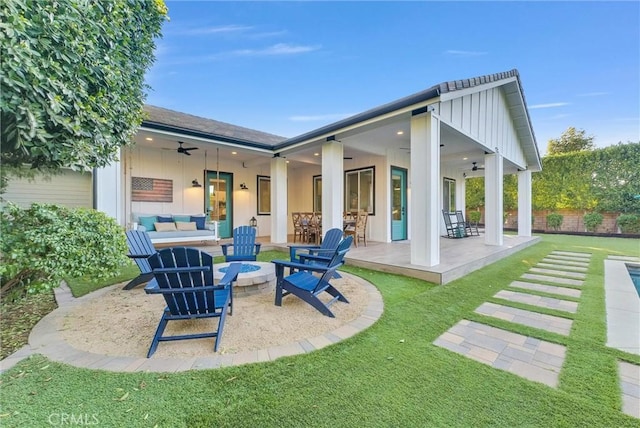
{"points": [[218, 201], [398, 204]]}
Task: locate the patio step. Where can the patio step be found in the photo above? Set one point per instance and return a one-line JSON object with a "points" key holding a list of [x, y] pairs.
{"points": [[527, 357], [562, 267], [561, 273], [630, 387], [567, 258], [572, 254], [552, 279], [551, 289], [540, 301], [565, 262], [532, 319]]}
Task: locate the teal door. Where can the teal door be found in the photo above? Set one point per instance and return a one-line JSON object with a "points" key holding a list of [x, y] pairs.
{"points": [[218, 201], [398, 204]]}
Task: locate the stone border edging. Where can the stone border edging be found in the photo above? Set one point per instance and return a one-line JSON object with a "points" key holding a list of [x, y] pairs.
{"points": [[45, 339]]}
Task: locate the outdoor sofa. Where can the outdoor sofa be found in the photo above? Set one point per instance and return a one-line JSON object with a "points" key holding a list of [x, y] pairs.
{"points": [[174, 228]]}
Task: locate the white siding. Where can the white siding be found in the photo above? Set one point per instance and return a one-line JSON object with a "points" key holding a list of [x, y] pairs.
{"points": [[485, 116], [70, 188]]}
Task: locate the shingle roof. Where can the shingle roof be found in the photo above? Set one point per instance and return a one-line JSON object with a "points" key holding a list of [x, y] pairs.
{"points": [[162, 118]]}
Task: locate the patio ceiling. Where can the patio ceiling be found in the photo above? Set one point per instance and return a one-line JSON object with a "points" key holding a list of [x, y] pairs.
{"points": [[458, 151]]}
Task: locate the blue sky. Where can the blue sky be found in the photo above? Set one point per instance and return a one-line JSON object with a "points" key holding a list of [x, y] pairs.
{"points": [[291, 67]]}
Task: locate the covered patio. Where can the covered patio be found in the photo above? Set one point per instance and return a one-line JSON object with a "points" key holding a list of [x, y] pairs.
{"points": [[458, 257]]}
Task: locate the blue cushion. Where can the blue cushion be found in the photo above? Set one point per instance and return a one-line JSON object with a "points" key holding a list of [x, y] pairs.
{"points": [[165, 219], [147, 222], [182, 218], [199, 220]]}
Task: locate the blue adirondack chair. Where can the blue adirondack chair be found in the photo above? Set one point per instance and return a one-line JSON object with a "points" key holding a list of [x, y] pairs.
{"points": [[140, 249], [244, 245], [185, 278], [308, 286], [324, 251]]}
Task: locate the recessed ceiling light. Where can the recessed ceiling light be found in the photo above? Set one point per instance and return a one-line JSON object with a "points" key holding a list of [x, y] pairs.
{"points": [[287, 161], [400, 132], [234, 153], [465, 158], [316, 154], [149, 139]]}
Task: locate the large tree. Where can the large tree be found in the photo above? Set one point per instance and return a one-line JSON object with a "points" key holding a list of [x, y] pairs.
{"points": [[72, 81], [571, 140]]}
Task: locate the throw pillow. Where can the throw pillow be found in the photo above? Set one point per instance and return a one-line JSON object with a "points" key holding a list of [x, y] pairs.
{"points": [[148, 222], [168, 219], [200, 221], [183, 218], [165, 227], [181, 225]]}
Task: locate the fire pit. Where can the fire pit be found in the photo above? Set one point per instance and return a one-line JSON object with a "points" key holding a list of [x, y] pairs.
{"points": [[255, 277]]}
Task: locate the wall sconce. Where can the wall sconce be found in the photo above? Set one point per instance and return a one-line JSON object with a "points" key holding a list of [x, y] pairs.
{"points": [[243, 186], [195, 183]]}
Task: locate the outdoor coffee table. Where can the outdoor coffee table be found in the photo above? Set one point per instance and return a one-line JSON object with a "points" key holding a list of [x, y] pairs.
{"points": [[255, 277]]}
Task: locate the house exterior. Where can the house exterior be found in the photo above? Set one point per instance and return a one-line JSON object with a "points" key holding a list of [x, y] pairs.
{"points": [[402, 162]]}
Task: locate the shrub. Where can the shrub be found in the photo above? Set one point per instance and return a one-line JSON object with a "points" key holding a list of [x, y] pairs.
{"points": [[592, 221], [554, 221], [474, 216], [42, 244], [629, 223]]}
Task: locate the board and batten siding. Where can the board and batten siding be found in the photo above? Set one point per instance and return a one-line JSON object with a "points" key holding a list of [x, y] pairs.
{"points": [[485, 116], [71, 189]]}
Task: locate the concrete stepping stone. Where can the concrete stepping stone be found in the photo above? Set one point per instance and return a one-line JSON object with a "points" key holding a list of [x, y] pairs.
{"points": [[565, 262], [562, 267], [572, 254], [567, 258], [542, 302], [576, 275], [532, 319], [552, 279], [530, 358], [630, 386], [551, 289]]}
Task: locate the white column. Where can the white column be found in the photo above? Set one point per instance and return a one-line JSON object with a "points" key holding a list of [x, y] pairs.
{"points": [[493, 195], [425, 190], [279, 202], [524, 203], [107, 191], [332, 185], [461, 199]]}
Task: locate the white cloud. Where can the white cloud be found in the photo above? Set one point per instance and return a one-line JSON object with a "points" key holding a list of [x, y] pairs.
{"points": [[222, 29], [320, 117], [277, 49], [465, 53], [548, 105]]}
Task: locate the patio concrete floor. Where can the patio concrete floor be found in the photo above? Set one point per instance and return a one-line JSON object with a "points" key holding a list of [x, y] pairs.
{"points": [[458, 257]]}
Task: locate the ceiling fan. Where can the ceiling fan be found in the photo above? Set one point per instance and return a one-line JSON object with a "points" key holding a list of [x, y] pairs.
{"points": [[185, 150], [476, 167]]}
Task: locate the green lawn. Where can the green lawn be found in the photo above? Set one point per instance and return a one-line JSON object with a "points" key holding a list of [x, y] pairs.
{"points": [[390, 375]]}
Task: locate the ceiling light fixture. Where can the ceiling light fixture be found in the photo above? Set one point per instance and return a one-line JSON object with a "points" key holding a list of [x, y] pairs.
{"points": [[400, 132], [149, 139]]}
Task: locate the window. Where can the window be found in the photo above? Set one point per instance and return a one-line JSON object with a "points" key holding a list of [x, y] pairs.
{"points": [[264, 195], [449, 195], [317, 193], [359, 190]]}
